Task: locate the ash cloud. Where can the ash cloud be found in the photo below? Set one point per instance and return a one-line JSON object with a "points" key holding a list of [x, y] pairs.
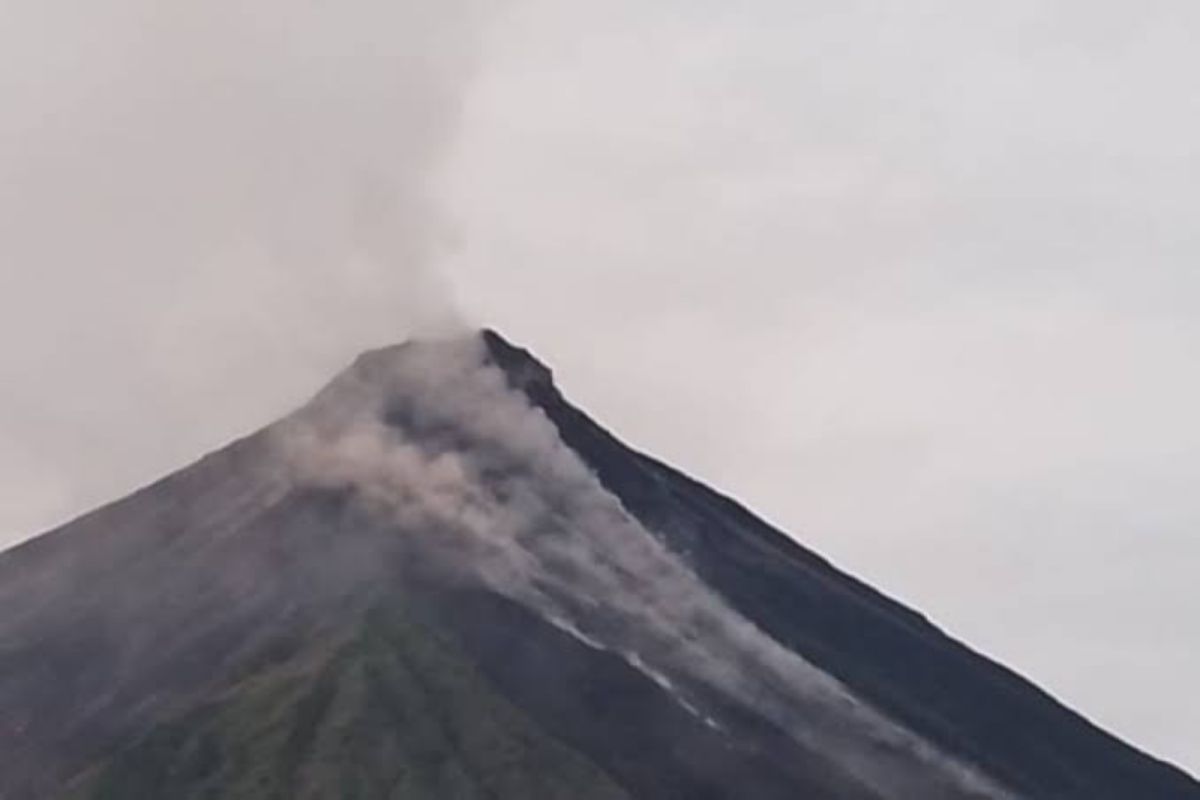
{"points": [[431, 437], [220, 203]]}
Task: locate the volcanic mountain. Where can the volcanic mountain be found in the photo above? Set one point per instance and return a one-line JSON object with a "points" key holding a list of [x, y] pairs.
{"points": [[440, 580]]}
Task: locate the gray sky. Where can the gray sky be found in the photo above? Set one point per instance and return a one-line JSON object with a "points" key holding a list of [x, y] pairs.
{"points": [[917, 281]]}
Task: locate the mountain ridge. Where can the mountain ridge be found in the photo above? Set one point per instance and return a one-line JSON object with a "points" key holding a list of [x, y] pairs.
{"points": [[585, 435]]}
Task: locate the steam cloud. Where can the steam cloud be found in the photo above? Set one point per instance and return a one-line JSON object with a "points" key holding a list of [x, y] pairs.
{"points": [[431, 436], [211, 196]]}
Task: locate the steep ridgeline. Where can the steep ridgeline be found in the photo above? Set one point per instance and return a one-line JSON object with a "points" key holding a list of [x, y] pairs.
{"points": [[438, 579]]}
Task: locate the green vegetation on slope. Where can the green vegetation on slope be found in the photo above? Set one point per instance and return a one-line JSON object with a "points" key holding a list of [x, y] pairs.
{"points": [[390, 713]]}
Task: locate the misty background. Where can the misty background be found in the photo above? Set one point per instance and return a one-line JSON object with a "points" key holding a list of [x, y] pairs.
{"points": [[917, 282]]}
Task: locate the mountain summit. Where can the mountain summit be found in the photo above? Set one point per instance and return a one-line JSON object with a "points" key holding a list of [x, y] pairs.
{"points": [[438, 579]]}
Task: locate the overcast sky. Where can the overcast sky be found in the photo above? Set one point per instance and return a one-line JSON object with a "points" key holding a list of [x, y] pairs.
{"points": [[917, 281]]}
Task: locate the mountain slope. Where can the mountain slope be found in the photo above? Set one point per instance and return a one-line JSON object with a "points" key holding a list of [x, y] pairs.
{"points": [[387, 712], [886, 652], [439, 579]]}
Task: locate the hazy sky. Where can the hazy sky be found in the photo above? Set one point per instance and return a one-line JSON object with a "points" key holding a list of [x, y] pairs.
{"points": [[917, 281]]}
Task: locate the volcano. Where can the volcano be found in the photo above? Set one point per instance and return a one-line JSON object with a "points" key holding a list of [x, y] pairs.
{"points": [[440, 580]]}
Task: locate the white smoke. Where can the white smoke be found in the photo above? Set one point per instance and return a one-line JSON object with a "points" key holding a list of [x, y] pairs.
{"points": [[220, 203], [433, 437]]}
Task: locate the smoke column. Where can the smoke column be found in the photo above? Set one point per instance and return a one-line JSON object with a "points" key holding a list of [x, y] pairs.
{"points": [[222, 202]]}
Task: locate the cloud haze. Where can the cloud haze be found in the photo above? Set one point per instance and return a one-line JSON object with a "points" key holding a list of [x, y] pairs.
{"points": [[196, 197]]}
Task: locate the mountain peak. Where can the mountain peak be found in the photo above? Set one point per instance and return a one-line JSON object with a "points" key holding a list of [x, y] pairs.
{"points": [[433, 367], [525, 372], [523, 368]]}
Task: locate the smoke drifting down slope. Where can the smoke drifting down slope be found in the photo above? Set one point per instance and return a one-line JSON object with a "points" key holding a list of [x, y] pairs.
{"points": [[434, 435]]}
